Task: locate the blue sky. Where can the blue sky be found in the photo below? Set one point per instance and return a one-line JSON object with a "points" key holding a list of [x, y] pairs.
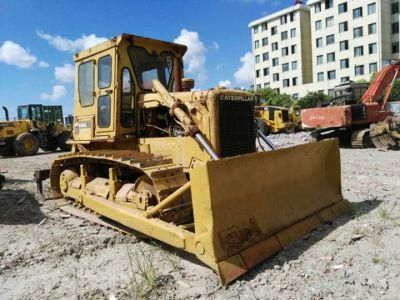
{"points": [[38, 39]]}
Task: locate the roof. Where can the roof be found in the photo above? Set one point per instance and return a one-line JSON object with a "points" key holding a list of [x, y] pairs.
{"points": [[115, 41], [279, 13]]}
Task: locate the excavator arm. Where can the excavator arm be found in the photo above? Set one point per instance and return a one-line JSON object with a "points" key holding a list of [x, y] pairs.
{"points": [[384, 81]]}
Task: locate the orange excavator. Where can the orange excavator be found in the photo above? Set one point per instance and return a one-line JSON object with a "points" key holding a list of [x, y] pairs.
{"points": [[365, 122]]}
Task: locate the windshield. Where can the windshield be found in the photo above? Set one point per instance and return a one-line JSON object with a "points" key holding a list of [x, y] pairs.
{"points": [[151, 66], [23, 113]]}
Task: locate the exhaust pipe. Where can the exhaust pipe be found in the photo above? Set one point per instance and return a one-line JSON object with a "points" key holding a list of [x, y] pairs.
{"points": [[6, 113]]}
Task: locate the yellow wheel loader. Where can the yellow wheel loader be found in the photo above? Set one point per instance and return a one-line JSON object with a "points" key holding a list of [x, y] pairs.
{"points": [[38, 126], [274, 119], [181, 166]]}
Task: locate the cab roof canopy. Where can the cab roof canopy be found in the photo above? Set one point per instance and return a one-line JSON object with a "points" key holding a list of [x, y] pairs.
{"points": [[136, 40]]}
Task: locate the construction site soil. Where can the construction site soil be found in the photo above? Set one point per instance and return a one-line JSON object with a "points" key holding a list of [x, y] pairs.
{"points": [[47, 254]]}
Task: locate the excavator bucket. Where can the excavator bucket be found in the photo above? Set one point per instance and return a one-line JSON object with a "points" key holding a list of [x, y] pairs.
{"points": [[247, 208]]}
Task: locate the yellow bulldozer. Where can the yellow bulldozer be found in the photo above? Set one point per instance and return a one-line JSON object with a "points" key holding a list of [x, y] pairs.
{"points": [[38, 126], [181, 166], [276, 119]]}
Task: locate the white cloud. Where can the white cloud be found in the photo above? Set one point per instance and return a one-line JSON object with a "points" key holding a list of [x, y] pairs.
{"points": [[65, 73], [244, 75], [225, 83], [195, 57], [64, 44], [43, 64], [13, 54], [58, 92]]}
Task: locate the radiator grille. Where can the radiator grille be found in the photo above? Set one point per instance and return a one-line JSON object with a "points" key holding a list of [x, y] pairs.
{"points": [[236, 127]]}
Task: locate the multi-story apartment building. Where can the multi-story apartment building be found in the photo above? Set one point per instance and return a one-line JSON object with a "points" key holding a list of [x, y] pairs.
{"points": [[282, 50], [350, 40]]}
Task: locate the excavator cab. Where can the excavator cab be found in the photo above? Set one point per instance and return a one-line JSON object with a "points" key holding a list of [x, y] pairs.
{"points": [[181, 165]]}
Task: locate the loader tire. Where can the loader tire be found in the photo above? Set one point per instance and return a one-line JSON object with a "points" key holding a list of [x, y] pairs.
{"points": [[26, 144], [62, 139], [262, 126], [51, 146]]}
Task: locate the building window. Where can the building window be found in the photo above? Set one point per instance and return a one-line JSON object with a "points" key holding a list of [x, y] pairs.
{"points": [[357, 13], [328, 4], [344, 45], [372, 48], [294, 81], [283, 19], [284, 35], [329, 22], [266, 71], [258, 87], [330, 57], [343, 27], [395, 28], [395, 47], [257, 73], [345, 79], [318, 42], [344, 63], [256, 44], [285, 51], [255, 29], [330, 39], [318, 25], [358, 32], [320, 76], [317, 7], [359, 51], [294, 65], [372, 28], [342, 7], [295, 96], [395, 8], [274, 46], [265, 56], [257, 59], [267, 85], [293, 33], [359, 70], [371, 8], [275, 77], [293, 49], [265, 42], [373, 68], [285, 67], [264, 26], [274, 30], [275, 62], [292, 15], [320, 59], [286, 83], [331, 75]]}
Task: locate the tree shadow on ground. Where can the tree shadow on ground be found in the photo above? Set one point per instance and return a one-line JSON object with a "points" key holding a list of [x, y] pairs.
{"points": [[19, 207]]}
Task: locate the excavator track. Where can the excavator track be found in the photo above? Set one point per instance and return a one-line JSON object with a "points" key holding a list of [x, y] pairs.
{"points": [[360, 139], [385, 134]]}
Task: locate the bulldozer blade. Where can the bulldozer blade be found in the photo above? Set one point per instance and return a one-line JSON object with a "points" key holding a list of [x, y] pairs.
{"points": [[249, 207]]}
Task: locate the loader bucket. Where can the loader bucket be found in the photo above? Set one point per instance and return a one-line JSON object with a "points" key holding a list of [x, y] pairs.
{"points": [[249, 207]]}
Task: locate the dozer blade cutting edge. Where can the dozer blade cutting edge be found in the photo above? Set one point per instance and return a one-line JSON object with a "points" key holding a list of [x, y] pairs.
{"points": [[247, 208]]}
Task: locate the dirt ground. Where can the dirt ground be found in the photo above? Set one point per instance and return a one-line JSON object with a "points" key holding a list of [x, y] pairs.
{"points": [[45, 253]]}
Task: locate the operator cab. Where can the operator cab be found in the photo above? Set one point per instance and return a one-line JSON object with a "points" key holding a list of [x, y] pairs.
{"points": [[33, 112]]}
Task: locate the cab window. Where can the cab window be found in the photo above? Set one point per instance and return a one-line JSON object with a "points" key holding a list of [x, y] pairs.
{"points": [[36, 113], [104, 111], [127, 99], [105, 72], [23, 113], [86, 83], [150, 66]]}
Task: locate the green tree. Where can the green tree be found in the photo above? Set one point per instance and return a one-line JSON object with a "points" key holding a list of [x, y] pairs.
{"points": [[313, 99], [270, 97]]}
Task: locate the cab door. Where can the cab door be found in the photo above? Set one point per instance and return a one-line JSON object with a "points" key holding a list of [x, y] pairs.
{"points": [[105, 96]]}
